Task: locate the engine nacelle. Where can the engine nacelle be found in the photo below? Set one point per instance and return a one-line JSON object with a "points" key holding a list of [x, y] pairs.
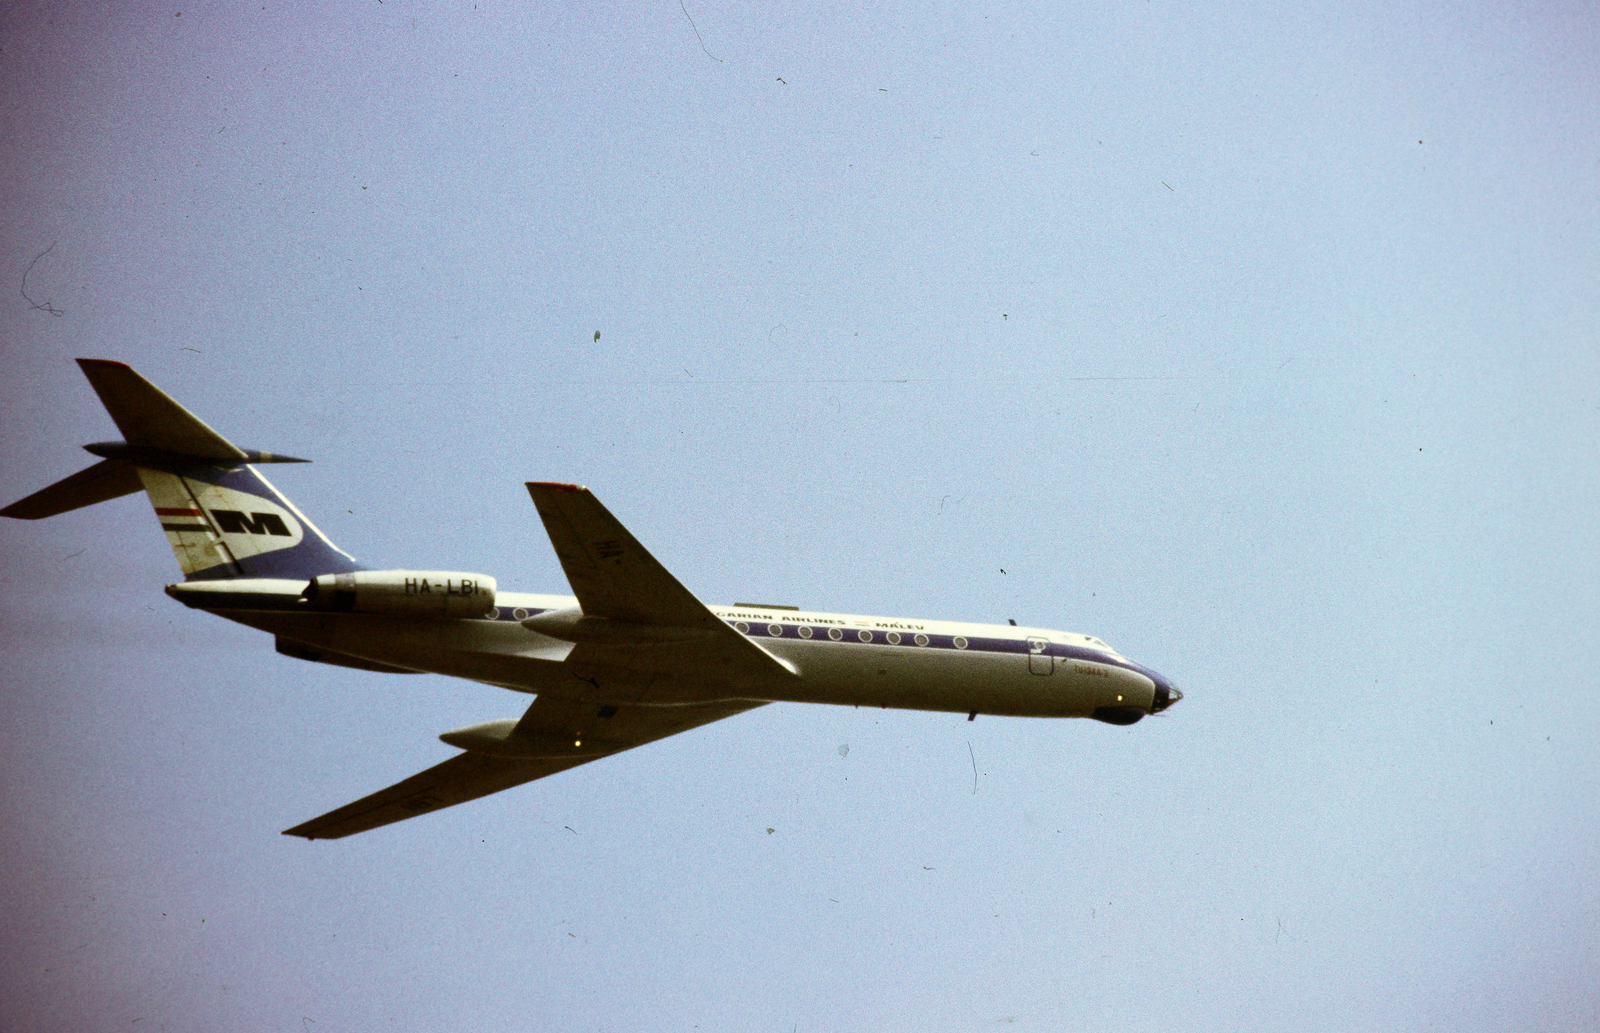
{"points": [[421, 593]]}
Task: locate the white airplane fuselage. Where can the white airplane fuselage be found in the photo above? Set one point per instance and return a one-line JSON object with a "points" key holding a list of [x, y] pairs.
{"points": [[843, 659]]}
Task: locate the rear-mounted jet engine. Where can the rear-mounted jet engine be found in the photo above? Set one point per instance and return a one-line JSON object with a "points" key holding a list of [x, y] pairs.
{"points": [[422, 593]]}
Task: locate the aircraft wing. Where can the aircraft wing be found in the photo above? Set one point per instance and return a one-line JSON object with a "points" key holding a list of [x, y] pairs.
{"points": [[608, 730], [615, 578]]}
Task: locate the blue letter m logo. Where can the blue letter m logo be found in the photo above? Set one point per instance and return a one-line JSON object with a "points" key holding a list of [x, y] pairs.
{"points": [[231, 521]]}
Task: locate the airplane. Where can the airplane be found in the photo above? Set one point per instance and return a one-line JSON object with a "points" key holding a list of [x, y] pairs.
{"points": [[631, 656]]}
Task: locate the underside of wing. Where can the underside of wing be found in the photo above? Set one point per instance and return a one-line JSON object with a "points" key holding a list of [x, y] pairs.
{"points": [[552, 736], [457, 780]]}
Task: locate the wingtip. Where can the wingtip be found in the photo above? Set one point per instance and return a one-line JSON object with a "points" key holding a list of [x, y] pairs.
{"points": [[555, 486], [86, 363]]}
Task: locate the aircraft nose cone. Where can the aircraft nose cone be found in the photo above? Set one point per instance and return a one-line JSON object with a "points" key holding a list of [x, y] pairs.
{"points": [[1166, 695]]}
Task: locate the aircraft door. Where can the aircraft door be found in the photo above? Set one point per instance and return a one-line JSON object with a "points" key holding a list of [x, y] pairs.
{"points": [[1039, 662]]}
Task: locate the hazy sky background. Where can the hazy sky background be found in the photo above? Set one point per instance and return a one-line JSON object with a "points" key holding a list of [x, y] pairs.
{"points": [[1259, 342]]}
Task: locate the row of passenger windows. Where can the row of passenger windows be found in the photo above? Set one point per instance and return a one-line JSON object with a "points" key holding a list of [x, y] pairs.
{"points": [[894, 638]]}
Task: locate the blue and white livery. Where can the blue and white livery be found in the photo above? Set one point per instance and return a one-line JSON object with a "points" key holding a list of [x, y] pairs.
{"points": [[629, 657]]}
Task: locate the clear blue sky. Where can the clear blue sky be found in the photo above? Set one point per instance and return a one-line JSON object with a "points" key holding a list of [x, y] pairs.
{"points": [[1259, 342]]}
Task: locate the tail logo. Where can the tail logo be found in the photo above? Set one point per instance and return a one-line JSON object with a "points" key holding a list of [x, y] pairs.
{"points": [[232, 521], [241, 524], [248, 524]]}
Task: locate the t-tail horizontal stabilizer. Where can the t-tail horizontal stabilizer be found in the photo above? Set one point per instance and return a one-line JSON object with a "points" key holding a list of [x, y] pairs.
{"points": [[222, 518], [105, 480]]}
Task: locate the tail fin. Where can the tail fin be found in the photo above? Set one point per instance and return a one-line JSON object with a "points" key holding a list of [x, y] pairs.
{"points": [[223, 519]]}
